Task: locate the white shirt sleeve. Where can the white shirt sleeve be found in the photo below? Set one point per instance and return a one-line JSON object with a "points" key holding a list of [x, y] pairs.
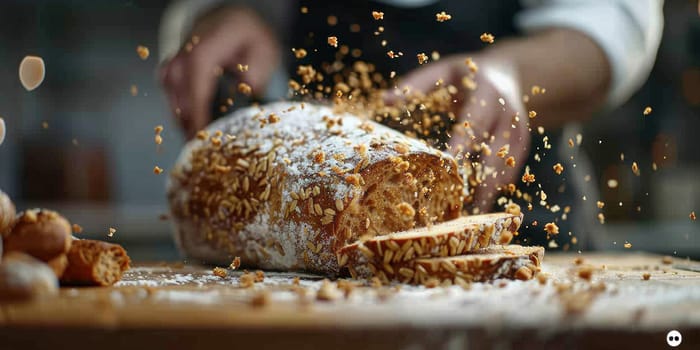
{"points": [[628, 31]]}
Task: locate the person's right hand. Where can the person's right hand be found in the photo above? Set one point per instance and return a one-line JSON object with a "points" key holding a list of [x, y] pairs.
{"points": [[227, 37]]}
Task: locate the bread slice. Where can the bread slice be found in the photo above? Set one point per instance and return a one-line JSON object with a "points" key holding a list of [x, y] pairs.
{"points": [[486, 264], [459, 236]]}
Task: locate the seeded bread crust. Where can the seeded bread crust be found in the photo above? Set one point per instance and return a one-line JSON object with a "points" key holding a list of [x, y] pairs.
{"points": [[486, 264], [455, 237], [286, 185]]}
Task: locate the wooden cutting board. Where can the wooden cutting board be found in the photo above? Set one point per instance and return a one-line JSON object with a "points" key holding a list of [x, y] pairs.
{"points": [[171, 306]]}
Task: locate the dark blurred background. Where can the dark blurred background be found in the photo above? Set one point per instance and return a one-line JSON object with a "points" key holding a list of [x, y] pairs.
{"points": [[82, 143]]}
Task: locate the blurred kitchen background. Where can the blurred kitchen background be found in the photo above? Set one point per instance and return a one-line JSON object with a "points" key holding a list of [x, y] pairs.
{"points": [[82, 143]]}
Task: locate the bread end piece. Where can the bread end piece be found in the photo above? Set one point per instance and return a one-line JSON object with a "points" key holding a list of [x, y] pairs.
{"points": [[95, 263]]}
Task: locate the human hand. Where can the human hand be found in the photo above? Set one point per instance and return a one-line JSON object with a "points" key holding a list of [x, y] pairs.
{"points": [[492, 106], [225, 37]]}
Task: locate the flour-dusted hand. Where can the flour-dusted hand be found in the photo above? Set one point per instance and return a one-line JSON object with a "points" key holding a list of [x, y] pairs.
{"points": [[221, 40]]}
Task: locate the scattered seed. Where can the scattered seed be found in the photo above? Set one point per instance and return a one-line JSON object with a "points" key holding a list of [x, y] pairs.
{"points": [[143, 52]]}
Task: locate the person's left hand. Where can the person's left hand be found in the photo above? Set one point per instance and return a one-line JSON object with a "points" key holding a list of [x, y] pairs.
{"points": [[494, 111]]}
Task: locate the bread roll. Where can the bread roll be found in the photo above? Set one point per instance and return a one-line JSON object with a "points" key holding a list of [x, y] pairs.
{"points": [[22, 277], [43, 234], [286, 185]]}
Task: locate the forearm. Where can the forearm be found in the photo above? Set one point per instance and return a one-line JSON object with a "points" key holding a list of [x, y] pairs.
{"points": [[572, 69]]}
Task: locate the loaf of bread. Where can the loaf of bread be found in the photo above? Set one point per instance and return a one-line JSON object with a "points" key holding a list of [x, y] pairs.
{"points": [[286, 185], [485, 264], [455, 237]]}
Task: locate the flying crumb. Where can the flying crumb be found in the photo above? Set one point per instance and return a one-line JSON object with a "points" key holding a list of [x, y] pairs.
{"points": [[487, 38], [75, 228], [333, 41], [245, 89], [510, 161], [571, 143], [647, 110], [304, 10], [443, 16], [143, 52], [220, 272], [134, 90], [601, 218], [471, 65], [692, 215], [532, 114], [378, 15], [157, 170], [31, 72], [422, 58], [242, 67], [158, 139], [627, 245], [612, 183], [551, 228], [112, 231], [600, 204], [332, 20], [299, 53], [558, 168]]}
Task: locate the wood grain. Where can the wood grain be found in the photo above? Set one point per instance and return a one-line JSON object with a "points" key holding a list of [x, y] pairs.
{"points": [[189, 303]]}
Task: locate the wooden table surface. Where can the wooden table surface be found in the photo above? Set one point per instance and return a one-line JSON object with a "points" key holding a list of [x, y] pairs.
{"points": [[170, 306]]}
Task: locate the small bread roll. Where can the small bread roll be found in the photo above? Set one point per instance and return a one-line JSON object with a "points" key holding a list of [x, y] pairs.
{"points": [[23, 277], [43, 234]]}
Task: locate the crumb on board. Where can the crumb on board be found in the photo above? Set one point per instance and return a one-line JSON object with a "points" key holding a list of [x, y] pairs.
{"points": [[260, 299], [220, 272], [235, 263], [646, 276], [585, 272]]}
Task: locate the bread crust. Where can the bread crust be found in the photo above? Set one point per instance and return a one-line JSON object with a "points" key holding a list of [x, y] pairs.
{"points": [[288, 195]]}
